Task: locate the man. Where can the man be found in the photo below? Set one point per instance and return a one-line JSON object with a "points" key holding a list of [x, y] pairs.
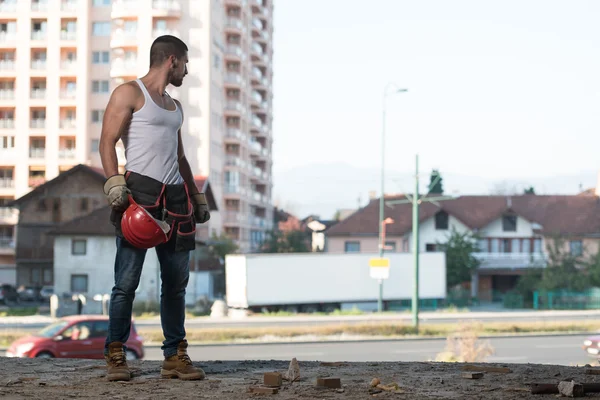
{"points": [[159, 178]]}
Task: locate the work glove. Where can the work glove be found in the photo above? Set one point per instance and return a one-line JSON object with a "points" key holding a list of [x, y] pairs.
{"points": [[115, 188], [201, 213]]}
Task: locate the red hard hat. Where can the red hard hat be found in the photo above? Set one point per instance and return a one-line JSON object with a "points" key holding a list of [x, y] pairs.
{"points": [[141, 229]]}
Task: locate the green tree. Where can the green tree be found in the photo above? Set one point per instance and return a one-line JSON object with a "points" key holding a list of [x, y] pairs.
{"points": [[435, 187], [286, 242], [222, 245], [564, 270], [530, 190], [460, 261]]}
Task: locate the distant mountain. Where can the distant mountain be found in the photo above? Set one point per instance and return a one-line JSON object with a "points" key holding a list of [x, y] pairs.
{"points": [[321, 189]]}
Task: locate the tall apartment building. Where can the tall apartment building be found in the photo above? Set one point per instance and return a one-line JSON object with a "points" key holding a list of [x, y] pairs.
{"points": [[61, 59]]}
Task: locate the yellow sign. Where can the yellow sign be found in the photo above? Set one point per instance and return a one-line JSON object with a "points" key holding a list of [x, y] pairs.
{"points": [[379, 268], [379, 262]]}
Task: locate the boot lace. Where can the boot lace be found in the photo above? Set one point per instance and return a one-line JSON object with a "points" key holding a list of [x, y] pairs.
{"points": [[184, 358], [118, 359]]}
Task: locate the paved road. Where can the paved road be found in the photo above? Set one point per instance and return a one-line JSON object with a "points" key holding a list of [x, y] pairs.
{"points": [[564, 350], [37, 322]]}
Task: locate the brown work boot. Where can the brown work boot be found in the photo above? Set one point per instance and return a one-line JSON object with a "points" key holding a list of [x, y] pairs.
{"points": [[117, 363], [180, 366]]}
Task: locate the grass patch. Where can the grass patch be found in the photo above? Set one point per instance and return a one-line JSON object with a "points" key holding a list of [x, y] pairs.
{"points": [[372, 329], [375, 329], [19, 312]]}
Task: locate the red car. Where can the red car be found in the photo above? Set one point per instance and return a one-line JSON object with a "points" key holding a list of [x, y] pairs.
{"points": [[76, 336]]}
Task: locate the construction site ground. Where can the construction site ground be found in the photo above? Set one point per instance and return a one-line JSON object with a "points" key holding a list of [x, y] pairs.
{"points": [[86, 379]]}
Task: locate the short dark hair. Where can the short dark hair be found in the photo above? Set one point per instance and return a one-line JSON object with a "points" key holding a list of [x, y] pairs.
{"points": [[165, 46]]}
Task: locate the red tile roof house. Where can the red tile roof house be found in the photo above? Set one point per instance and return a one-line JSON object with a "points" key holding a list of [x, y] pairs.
{"points": [[65, 239], [515, 231]]}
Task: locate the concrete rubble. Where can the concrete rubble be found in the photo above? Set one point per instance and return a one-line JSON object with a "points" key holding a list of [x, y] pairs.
{"points": [[45, 379]]}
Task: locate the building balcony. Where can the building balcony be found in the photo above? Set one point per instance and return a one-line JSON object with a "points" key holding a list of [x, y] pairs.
{"points": [[38, 94], [510, 260], [9, 216], [7, 37], [166, 8], [233, 78], [37, 123], [254, 146], [69, 6], [7, 183], [6, 123], [234, 190], [7, 65], [68, 35], [234, 107], [68, 94], [68, 123], [37, 153], [234, 51], [68, 65], [7, 94], [125, 8], [67, 154], [234, 161], [233, 217], [122, 38], [8, 7], [38, 64], [121, 68], [38, 35], [234, 25], [235, 134], [39, 7]]}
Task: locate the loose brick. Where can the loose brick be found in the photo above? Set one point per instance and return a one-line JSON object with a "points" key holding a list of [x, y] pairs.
{"points": [[263, 390], [472, 375], [332, 383], [273, 379]]}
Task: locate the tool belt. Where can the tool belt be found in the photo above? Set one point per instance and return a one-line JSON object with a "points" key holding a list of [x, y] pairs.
{"points": [[169, 203]]}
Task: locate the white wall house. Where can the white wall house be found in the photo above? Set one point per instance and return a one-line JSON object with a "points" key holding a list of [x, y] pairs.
{"points": [[514, 232]]}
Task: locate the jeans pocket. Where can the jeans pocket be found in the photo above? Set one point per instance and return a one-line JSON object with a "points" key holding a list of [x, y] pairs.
{"points": [[185, 239]]}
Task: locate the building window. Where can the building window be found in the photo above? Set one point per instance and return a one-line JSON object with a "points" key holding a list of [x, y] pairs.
{"points": [[100, 86], [441, 221], [101, 29], [79, 247], [484, 246], [430, 247], [100, 57], [79, 283], [95, 147], [7, 142], [390, 246], [101, 3], [576, 247], [509, 223], [97, 116], [352, 247]]}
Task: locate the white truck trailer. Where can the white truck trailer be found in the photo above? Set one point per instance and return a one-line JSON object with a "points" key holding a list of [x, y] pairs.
{"points": [[310, 282]]}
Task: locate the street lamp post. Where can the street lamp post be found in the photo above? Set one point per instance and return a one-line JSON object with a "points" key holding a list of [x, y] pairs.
{"points": [[386, 92]]}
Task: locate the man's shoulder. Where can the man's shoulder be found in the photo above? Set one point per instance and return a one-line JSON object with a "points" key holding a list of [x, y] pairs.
{"points": [[130, 87]]}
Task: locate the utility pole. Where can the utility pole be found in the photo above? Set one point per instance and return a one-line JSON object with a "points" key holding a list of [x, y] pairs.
{"points": [[386, 92], [415, 234], [416, 200]]}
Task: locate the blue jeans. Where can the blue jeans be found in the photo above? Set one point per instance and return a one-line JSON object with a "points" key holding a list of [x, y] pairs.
{"points": [[174, 275]]}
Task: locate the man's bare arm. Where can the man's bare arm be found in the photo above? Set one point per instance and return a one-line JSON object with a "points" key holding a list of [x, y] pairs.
{"points": [[117, 118], [184, 166]]}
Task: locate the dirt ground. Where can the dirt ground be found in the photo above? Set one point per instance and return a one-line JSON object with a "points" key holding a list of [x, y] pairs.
{"points": [[85, 379]]}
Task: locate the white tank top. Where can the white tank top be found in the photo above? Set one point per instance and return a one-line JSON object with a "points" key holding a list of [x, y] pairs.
{"points": [[152, 140]]}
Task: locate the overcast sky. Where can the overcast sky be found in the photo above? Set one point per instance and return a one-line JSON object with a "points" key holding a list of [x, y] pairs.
{"points": [[498, 89]]}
